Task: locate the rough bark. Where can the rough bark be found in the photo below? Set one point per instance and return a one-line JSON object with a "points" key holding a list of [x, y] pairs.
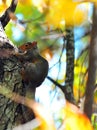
{"points": [[11, 113], [9, 77], [68, 88]]}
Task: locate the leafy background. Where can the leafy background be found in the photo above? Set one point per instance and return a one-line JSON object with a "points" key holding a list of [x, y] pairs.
{"points": [[45, 21]]}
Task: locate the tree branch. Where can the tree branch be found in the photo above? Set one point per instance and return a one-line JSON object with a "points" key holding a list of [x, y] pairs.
{"points": [[55, 82], [68, 87], [5, 18]]}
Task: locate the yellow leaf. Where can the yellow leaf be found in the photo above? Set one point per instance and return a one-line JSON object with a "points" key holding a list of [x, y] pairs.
{"points": [[80, 69], [4, 5], [75, 119], [85, 1], [47, 53], [93, 1], [4, 1], [65, 12], [2, 8], [25, 2], [40, 4]]}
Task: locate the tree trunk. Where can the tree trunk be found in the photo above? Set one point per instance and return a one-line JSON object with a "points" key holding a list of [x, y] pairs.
{"points": [[10, 77], [92, 67], [11, 113]]}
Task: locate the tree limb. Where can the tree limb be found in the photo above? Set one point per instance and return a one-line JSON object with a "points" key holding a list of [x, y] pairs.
{"points": [[5, 18]]}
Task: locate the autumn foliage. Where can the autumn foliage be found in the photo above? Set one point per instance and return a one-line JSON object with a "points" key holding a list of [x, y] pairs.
{"points": [[59, 14], [75, 119]]}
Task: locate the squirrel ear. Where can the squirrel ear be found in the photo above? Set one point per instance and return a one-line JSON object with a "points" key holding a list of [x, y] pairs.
{"points": [[34, 43]]}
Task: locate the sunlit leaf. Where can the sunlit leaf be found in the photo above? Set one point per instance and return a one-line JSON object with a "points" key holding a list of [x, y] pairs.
{"points": [[4, 1], [92, 1], [25, 2], [4, 5], [47, 53], [85, 0], [65, 13], [40, 4], [80, 69], [75, 119], [2, 8]]}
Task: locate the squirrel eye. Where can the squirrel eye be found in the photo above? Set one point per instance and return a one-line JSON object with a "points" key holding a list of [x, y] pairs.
{"points": [[26, 45]]}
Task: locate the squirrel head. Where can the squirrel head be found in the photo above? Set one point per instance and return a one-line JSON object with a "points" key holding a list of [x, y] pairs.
{"points": [[29, 45]]}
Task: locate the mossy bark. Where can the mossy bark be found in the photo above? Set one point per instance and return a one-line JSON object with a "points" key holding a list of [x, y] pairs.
{"points": [[70, 50], [11, 113]]}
